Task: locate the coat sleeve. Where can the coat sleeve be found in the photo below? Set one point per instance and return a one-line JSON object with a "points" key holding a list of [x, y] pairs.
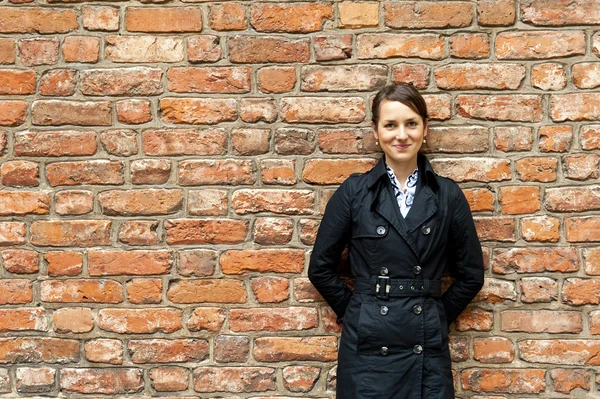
{"points": [[333, 235], [465, 259]]}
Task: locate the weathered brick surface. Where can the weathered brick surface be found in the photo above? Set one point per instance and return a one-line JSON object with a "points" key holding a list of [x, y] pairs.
{"points": [[165, 166]]}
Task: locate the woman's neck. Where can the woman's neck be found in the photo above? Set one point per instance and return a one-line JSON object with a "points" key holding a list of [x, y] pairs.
{"points": [[402, 170]]}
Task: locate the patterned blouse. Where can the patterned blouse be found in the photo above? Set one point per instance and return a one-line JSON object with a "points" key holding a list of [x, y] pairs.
{"points": [[405, 199]]}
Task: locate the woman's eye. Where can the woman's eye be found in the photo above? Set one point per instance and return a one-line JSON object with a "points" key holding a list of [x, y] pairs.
{"points": [[389, 126]]}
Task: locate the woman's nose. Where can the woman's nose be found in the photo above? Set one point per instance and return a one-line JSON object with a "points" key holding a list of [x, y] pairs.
{"points": [[400, 134]]}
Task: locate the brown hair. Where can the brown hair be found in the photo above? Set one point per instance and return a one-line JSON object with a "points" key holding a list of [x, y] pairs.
{"points": [[403, 92]]}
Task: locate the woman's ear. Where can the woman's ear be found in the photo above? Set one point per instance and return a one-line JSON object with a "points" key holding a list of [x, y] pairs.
{"points": [[374, 127], [425, 125]]}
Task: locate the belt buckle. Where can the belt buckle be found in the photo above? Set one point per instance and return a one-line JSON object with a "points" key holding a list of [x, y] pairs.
{"points": [[380, 291]]}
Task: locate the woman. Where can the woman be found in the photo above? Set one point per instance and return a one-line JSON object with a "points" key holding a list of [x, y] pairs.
{"points": [[403, 224]]}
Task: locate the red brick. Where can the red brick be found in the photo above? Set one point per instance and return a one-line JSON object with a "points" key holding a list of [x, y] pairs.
{"points": [[347, 141], [474, 319], [37, 20], [140, 202], [61, 112], [107, 381], [168, 351], [292, 18], [267, 49], [517, 108], [104, 351], [581, 166], [582, 229], [496, 12], [539, 44], [73, 202], [206, 319], [294, 141], [308, 231], [21, 261], [555, 138], [416, 74], [567, 380], [576, 291], [3, 142], [100, 18], [568, 352], [70, 233], [287, 202], [73, 320], [572, 199], [480, 76], [473, 169], [209, 80], [277, 349], [496, 291], [265, 260], [538, 289], [137, 81], [207, 291], [38, 51], [596, 44], [143, 262], [591, 261], [18, 82], [226, 17], [594, 322], [333, 171], [513, 138], [207, 231], [7, 51], [140, 321], [333, 47], [36, 350], [540, 229], [100, 172], [358, 14], [273, 231], [207, 202], [575, 107], [504, 380], [343, 78], [15, 291], [184, 142], [323, 110], [119, 142], [204, 48], [300, 378], [541, 321], [81, 49], [227, 171], [535, 260], [150, 171], [12, 233], [270, 289], [480, 199], [163, 19], [19, 174], [586, 75], [470, 45], [198, 111], [13, 113], [250, 141], [144, 291], [459, 139], [518, 200], [305, 292], [198, 263], [545, 13], [459, 348], [549, 76], [134, 112], [493, 350], [276, 79], [146, 49], [264, 319], [589, 137], [81, 290], [55, 143], [387, 45], [64, 263], [23, 319], [258, 109], [35, 380], [332, 379], [439, 107], [428, 14], [231, 348], [234, 379], [278, 171], [169, 379], [537, 169]]}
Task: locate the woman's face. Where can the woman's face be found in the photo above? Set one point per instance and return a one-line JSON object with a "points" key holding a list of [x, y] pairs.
{"points": [[400, 132]]}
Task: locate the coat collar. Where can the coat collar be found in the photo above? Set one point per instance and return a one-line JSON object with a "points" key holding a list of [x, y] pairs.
{"points": [[427, 175]]}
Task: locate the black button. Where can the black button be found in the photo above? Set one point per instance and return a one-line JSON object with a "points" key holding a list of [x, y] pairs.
{"points": [[384, 350], [418, 349], [384, 271], [417, 309], [426, 230], [384, 310], [417, 270], [381, 230]]}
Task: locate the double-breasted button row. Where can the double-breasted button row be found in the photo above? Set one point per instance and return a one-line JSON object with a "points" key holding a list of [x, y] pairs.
{"points": [[383, 310]]}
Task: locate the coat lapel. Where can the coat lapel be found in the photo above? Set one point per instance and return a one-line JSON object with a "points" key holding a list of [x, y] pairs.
{"points": [[424, 206]]}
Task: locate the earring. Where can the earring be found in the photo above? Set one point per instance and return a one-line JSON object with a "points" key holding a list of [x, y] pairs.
{"points": [[376, 142], [424, 141]]}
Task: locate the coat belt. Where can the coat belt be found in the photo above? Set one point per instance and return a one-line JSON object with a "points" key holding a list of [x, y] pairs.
{"points": [[384, 287]]}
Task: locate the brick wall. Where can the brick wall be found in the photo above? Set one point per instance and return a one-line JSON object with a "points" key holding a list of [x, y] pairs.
{"points": [[164, 168]]}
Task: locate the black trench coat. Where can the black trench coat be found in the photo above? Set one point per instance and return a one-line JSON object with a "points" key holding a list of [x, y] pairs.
{"points": [[394, 342]]}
